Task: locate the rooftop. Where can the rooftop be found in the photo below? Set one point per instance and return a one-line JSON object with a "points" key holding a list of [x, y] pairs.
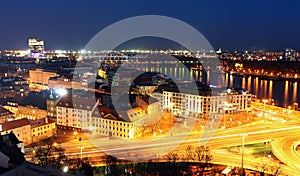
{"points": [[36, 99], [40, 122], [4, 111], [17, 99], [77, 102], [14, 124]]}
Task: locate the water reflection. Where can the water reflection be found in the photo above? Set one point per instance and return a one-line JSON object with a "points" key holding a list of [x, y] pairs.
{"points": [[295, 90], [270, 89], [227, 79], [244, 83], [249, 83], [284, 92]]}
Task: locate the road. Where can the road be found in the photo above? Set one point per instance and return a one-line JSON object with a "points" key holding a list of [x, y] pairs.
{"points": [[143, 149], [284, 148]]}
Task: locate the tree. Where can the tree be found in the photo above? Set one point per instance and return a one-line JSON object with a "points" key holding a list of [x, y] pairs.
{"points": [[172, 157], [84, 167], [189, 153], [262, 167], [111, 163], [171, 167], [275, 169], [203, 157], [47, 153], [203, 154]]}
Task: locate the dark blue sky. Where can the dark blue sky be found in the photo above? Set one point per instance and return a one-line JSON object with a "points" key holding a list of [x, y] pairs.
{"points": [[69, 24]]}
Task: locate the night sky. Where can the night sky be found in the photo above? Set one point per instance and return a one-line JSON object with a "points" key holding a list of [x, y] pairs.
{"points": [[267, 25]]}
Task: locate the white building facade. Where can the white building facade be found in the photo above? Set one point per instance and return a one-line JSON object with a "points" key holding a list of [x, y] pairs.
{"points": [[182, 104], [77, 115]]}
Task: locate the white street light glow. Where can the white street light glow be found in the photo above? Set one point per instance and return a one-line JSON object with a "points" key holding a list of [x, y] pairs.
{"points": [[61, 91]]}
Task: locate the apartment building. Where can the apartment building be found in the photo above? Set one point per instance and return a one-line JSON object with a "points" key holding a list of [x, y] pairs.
{"points": [[183, 104]]}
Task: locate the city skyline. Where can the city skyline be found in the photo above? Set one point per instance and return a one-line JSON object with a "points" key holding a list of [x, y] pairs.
{"points": [[229, 25], [149, 88]]}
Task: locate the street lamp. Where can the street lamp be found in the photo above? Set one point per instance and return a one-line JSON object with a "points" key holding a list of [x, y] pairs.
{"points": [[265, 101], [82, 147], [75, 134], [61, 91], [243, 150], [66, 169], [295, 106]]}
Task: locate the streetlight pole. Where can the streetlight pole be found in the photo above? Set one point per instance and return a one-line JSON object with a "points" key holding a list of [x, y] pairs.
{"points": [[185, 120], [243, 152], [82, 147], [264, 101], [243, 147]]}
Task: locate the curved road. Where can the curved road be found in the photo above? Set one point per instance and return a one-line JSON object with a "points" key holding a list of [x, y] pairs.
{"points": [[144, 148]]}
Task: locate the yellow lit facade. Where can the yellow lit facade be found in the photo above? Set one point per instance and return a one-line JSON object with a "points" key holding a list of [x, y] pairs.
{"points": [[110, 126], [40, 76], [21, 128], [42, 129], [31, 113]]}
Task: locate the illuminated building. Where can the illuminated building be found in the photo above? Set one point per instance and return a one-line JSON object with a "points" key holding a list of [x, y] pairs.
{"points": [[102, 73], [41, 76], [21, 128], [42, 129], [65, 82], [83, 114], [29, 131], [12, 86], [290, 54], [145, 89], [60, 82], [33, 106], [75, 112], [86, 79], [112, 125], [183, 104], [131, 123], [5, 115], [36, 47], [12, 104]]}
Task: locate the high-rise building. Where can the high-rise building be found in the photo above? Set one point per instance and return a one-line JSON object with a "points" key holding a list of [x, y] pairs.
{"points": [[36, 46]]}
